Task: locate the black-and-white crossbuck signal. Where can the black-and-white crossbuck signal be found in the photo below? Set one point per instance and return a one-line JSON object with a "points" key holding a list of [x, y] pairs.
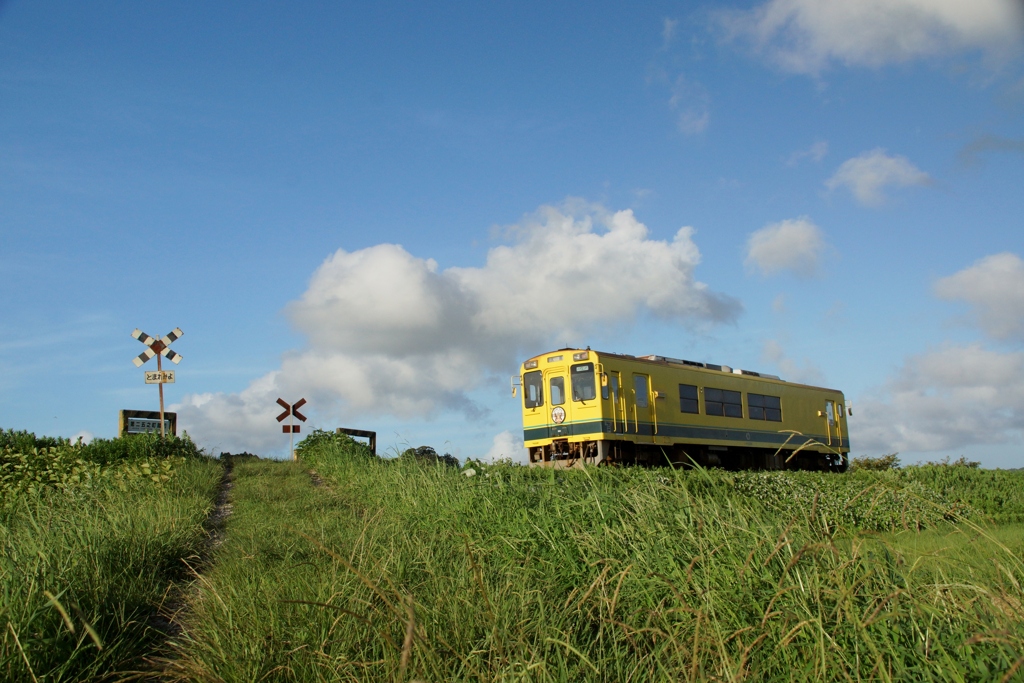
{"points": [[291, 410], [155, 346]]}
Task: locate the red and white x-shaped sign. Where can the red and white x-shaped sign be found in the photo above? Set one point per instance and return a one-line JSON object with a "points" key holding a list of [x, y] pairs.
{"points": [[291, 410]]}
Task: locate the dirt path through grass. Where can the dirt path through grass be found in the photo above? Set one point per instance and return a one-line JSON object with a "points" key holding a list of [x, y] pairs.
{"points": [[238, 623], [168, 617], [217, 521]]}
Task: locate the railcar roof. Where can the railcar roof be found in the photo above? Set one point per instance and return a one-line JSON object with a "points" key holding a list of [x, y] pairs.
{"points": [[692, 365]]}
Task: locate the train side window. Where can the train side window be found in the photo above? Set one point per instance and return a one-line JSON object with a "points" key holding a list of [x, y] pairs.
{"points": [[713, 402], [582, 377], [557, 386], [533, 389], [722, 402], [640, 387], [688, 399], [760, 407], [611, 389], [733, 403], [755, 406]]}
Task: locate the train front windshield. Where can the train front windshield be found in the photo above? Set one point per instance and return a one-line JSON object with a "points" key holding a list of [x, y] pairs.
{"points": [[533, 389], [583, 386]]}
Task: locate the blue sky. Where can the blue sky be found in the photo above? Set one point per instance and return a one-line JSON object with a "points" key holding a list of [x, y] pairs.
{"points": [[850, 176]]}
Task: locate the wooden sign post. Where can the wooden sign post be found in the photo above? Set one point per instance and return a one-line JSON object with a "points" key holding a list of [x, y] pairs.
{"points": [[158, 348]]}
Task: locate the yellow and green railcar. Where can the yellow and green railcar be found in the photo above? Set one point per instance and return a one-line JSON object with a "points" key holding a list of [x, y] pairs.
{"points": [[583, 406]]}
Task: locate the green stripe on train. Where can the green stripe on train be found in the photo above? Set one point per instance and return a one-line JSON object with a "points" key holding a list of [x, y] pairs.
{"points": [[677, 431]]}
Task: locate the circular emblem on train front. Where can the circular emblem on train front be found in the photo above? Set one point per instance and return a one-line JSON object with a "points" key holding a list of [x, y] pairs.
{"points": [[558, 415]]}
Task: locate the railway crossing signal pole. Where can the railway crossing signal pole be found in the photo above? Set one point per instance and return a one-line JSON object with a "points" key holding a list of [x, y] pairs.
{"points": [[291, 411], [158, 347]]}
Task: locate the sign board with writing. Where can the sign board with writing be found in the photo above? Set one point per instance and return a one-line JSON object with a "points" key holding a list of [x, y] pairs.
{"points": [[160, 377], [143, 425], [145, 422]]}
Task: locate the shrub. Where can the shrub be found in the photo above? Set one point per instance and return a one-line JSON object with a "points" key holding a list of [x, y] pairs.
{"points": [[23, 441], [31, 464], [244, 455], [959, 462], [324, 441], [429, 455], [878, 464]]}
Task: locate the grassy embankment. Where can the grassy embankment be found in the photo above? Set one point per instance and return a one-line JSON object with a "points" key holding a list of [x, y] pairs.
{"points": [[92, 538], [404, 571]]}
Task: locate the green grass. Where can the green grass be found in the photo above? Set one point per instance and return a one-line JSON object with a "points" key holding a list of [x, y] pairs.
{"points": [[90, 547], [997, 495], [404, 571], [412, 570]]}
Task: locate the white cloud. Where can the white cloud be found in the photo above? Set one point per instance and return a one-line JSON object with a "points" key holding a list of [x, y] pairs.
{"points": [[688, 99], [390, 333], [994, 287], [85, 435], [868, 174], [953, 397], [668, 31], [971, 153], [804, 372], [793, 245], [806, 36], [815, 153], [507, 446], [692, 104], [957, 396], [236, 422]]}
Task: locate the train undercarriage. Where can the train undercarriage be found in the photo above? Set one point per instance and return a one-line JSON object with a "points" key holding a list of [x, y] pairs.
{"points": [[561, 453]]}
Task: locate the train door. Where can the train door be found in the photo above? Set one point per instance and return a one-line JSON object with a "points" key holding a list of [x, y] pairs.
{"points": [[641, 424], [559, 408], [618, 403], [839, 424], [613, 410], [583, 391], [830, 420]]}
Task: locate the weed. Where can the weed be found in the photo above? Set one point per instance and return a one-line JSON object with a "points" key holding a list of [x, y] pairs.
{"points": [[90, 540]]}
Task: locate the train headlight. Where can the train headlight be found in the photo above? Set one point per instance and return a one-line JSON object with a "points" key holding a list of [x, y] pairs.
{"points": [[530, 364], [582, 355]]}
